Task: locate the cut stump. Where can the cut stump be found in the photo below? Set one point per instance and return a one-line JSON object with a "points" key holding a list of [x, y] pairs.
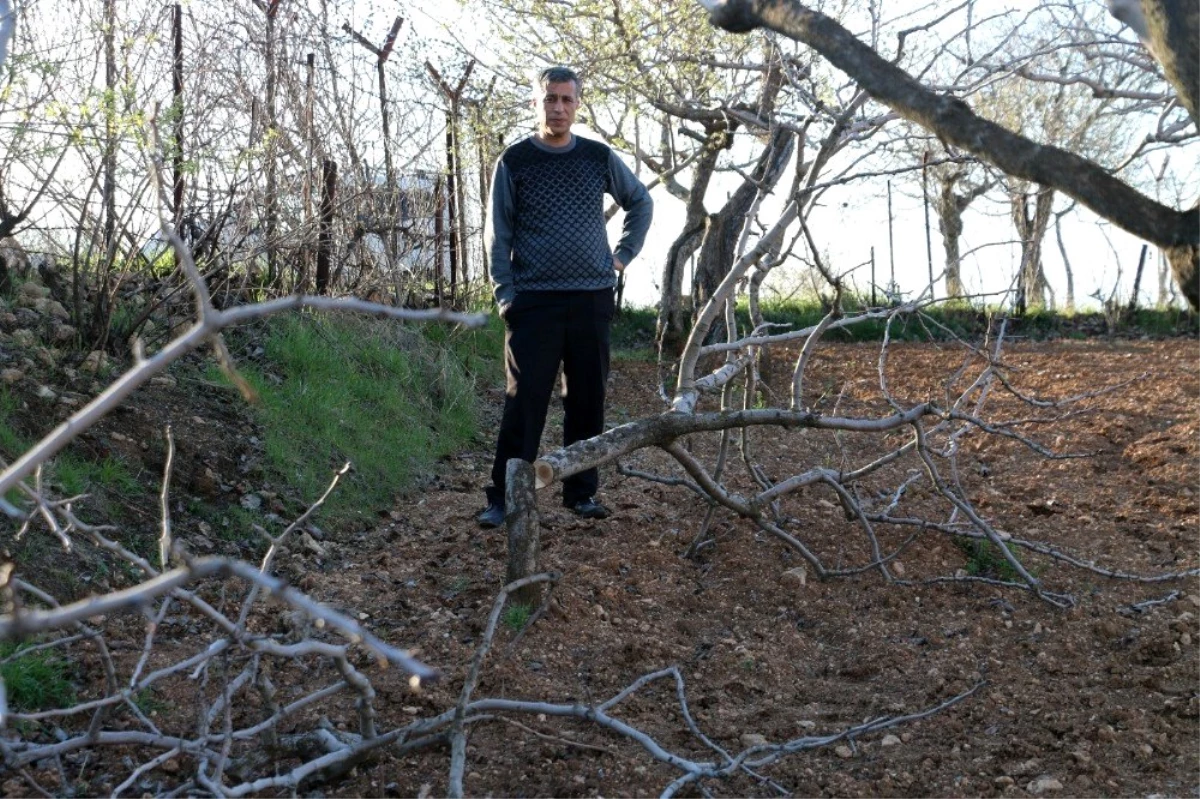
{"points": [[524, 532]]}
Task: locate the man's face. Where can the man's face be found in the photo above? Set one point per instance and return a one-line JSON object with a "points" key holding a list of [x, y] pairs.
{"points": [[556, 107]]}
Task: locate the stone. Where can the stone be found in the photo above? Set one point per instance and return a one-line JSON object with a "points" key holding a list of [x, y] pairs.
{"points": [[898, 568], [24, 337], [1043, 785], [312, 546], [55, 309], [32, 290], [250, 501], [753, 739], [890, 740], [163, 380], [844, 752], [1003, 782], [63, 334], [10, 376], [46, 393], [95, 361], [26, 317], [796, 577]]}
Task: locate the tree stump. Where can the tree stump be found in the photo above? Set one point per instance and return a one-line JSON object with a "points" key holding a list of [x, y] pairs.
{"points": [[524, 536]]}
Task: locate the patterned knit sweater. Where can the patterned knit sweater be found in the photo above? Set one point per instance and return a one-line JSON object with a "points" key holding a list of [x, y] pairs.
{"points": [[546, 229]]}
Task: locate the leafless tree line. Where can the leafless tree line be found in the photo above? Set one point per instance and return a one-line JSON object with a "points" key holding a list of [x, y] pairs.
{"points": [[281, 181]]}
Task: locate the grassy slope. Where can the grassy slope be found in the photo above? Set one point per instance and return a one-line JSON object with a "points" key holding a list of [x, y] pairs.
{"points": [[390, 399]]}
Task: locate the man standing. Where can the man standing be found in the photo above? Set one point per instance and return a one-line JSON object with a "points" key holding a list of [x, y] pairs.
{"points": [[553, 274]]}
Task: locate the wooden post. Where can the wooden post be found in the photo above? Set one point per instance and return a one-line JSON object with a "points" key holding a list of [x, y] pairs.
{"points": [[274, 278], [381, 56], [1137, 280], [439, 234], [177, 91], [874, 302], [454, 182], [891, 249], [325, 236], [928, 234], [307, 267], [452, 206], [524, 532]]}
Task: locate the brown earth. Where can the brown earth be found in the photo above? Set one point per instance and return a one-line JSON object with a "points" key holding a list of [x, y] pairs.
{"points": [[1102, 699]]}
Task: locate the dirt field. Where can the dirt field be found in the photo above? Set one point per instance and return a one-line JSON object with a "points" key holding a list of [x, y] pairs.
{"points": [[1101, 699]]}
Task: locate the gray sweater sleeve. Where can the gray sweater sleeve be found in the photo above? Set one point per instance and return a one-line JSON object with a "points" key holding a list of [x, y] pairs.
{"points": [[633, 197], [499, 235]]}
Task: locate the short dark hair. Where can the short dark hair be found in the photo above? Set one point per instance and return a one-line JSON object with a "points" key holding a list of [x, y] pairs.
{"points": [[557, 75]]}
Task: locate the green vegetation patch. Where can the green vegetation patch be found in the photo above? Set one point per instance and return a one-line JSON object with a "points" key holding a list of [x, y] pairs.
{"points": [[516, 616], [69, 473], [388, 397], [36, 679], [984, 559]]}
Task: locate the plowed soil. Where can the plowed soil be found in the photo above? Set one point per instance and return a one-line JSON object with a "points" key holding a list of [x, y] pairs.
{"points": [[1098, 699]]}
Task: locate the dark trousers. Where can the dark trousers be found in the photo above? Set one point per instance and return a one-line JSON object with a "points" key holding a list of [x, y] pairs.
{"points": [[542, 330]]}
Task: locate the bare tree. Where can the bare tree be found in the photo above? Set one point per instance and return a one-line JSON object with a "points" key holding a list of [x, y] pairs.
{"points": [[955, 193], [1176, 232]]}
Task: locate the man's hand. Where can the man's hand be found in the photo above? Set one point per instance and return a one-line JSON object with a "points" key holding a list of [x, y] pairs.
{"points": [[617, 265]]}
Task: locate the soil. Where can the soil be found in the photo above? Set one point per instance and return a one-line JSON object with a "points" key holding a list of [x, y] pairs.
{"points": [[1101, 699]]}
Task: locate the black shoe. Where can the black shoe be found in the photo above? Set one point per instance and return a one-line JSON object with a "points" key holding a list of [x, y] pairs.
{"points": [[589, 509], [491, 516]]}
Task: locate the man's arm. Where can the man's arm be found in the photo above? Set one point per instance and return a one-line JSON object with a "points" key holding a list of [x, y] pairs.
{"points": [[499, 236], [632, 196]]}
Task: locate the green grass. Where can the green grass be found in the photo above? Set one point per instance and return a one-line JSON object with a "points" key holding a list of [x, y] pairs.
{"points": [[633, 332], [35, 680], [633, 329], [516, 616], [75, 475], [69, 473], [389, 398], [985, 560], [148, 702], [12, 441]]}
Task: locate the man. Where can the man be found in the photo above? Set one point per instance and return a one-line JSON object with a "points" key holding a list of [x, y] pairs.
{"points": [[553, 274]]}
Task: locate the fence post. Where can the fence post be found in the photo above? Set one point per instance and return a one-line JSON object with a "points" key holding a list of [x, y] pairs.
{"points": [[325, 236]]}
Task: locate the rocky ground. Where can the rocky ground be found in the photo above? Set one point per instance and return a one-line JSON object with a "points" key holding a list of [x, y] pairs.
{"points": [[1098, 700]]}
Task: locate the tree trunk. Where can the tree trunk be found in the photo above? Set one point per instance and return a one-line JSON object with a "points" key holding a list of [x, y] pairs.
{"points": [[949, 206], [1069, 304], [1031, 226], [673, 318], [718, 251], [950, 225]]}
